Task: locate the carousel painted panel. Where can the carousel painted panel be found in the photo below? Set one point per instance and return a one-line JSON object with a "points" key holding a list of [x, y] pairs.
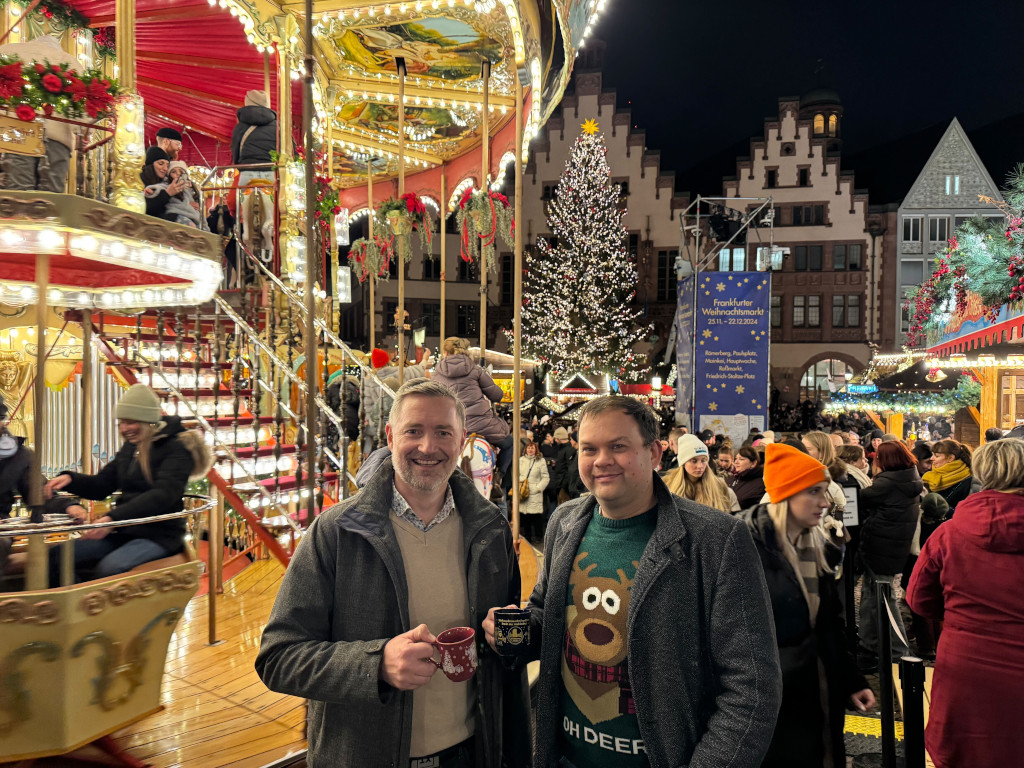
{"points": [[80, 662]]}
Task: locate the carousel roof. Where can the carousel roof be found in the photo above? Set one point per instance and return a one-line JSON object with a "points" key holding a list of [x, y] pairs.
{"points": [[196, 59]]}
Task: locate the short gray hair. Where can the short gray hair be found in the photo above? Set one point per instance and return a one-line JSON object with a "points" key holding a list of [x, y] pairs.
{"points": [[999, 465], [427, 388]]}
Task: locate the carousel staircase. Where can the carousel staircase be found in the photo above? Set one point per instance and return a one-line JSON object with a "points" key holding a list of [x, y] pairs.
{"points": [[234, 369]]}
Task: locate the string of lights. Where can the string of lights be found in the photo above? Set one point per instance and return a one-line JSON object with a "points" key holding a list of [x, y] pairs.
{"points": [[576, 310]]}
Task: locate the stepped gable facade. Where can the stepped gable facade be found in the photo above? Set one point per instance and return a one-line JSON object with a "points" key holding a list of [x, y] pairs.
{"points": [[825, 309]]}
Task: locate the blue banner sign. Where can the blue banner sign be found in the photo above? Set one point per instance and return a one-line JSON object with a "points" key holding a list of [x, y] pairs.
{"points": [[731, 366], [684, 351]]}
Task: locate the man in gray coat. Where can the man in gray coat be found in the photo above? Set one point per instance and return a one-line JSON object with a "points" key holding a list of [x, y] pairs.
{"points": [[650, 617], [375, 579]]}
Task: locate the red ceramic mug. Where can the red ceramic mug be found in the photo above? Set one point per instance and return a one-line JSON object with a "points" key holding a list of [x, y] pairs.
{"points": [[457, 647]]}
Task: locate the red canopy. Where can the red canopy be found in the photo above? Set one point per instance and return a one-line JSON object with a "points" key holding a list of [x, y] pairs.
{"points": [[193, 68]]}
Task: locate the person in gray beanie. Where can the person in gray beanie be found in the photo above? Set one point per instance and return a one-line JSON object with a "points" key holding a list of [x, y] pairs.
{"points": [[255, 134], [150, 471]]}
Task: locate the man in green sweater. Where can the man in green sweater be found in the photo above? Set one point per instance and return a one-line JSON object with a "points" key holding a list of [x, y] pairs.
{"points": [[650, 617]]}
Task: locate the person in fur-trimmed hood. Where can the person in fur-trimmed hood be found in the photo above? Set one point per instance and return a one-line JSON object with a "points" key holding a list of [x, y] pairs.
{"points": [[151, 470]]}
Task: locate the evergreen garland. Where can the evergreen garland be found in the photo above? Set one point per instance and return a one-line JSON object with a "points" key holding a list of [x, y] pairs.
{"points": [[985, 257], [944, 402]]}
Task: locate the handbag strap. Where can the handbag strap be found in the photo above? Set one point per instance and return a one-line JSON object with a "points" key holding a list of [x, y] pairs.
{"points": [[244, 137]]}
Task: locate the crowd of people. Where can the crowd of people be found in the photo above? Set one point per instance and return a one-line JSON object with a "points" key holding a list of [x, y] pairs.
{"points": [[727, 546]]}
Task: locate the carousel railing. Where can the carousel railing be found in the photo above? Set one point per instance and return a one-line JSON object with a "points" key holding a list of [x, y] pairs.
{"points": [[331, 341]]}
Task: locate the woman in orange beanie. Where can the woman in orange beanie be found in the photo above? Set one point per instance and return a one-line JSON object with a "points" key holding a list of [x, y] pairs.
{"points": [[798, 564]]}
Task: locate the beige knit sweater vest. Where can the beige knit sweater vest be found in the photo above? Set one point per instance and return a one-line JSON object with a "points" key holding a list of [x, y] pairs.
{"points": [[435, 571]]}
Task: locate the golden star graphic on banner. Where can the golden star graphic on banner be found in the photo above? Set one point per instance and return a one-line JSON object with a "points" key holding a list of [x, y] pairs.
{"points": [[712, 406]]}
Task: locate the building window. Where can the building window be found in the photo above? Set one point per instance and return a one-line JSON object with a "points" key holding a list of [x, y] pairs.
{"points": [[938, 229], [823, 378], [393, 268], [776, 313], [953, 185], [466, 320], [853, 311], [732, 259], [507, 278], [819, 125], [431, 267], [833, 125], [856, 256], [806, 215], [467, 271], [911, 229], [432, 317], [804, 177], [633, 246], [667, 275], [772, 179], [390, 308], [839, 257], [846, 311], [814, 257], [807, 311], [800, 258]]}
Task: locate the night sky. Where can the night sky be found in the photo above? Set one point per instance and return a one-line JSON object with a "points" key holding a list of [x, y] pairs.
{"points": [[702, 76]]}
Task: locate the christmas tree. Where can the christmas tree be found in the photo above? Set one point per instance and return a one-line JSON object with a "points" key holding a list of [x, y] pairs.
{"points": [[576, 313]]}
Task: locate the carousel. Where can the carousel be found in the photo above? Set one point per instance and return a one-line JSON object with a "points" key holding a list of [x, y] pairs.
{"points": [[397, 121]]}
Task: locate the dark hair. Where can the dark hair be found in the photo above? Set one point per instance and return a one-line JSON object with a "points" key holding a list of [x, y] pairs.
{"points": [[922, 452], [894, 455], [748, 453], [645, 418], [992, 434], [792, 442], [3, 410], [954, 449]]}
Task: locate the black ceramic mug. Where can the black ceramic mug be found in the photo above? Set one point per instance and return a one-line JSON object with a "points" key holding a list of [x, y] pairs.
{"points": [[512, 631]]}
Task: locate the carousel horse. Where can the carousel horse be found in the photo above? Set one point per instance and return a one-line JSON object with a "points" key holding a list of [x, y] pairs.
{"points": [[477, 462]]}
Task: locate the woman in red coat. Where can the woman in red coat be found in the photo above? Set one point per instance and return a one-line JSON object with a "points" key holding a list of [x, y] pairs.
{"points": [[969, 574]]}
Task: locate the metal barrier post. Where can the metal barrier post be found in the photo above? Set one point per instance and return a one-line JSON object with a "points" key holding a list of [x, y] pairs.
{"points": [[912, 678], [214, 551], [885, 685]]}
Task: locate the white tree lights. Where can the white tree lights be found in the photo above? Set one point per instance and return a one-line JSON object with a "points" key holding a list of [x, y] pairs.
{"points": [[576, 314]]}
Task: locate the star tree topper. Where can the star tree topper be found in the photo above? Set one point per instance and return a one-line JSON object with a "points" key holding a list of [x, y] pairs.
{"points": [[590, 127]]}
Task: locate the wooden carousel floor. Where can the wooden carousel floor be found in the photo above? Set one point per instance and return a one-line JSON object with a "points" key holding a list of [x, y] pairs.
{"points": [[218, 713]]}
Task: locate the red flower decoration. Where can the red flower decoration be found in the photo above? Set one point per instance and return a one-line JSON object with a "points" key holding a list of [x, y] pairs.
{"points": [[47, 109], [76, 88], [47, 13], [26, 113], [52, 83], [11, 81], [40, 68], [97, 99]]}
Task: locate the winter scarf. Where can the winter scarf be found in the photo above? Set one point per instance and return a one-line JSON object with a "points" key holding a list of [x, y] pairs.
{"points": [[946, 476]]}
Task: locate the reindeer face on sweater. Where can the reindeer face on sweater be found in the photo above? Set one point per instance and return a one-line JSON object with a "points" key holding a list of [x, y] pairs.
{"points": [[602, 606]]}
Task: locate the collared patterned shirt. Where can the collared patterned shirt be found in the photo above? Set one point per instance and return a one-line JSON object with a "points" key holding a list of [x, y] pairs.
{"points": [[402, 509]]}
